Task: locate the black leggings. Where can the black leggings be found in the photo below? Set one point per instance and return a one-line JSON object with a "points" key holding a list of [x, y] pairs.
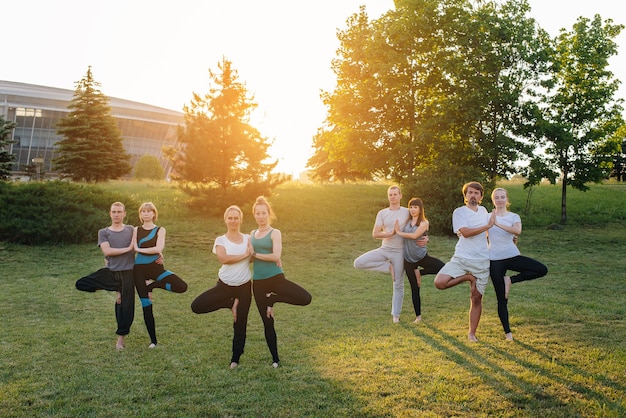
{"points": [[430, 265], [279, 289], [120, 281], [163, 279], [223, 296], [527, 268]]}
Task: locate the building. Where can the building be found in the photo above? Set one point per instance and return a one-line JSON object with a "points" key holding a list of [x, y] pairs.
{"points": [[36, 109]]}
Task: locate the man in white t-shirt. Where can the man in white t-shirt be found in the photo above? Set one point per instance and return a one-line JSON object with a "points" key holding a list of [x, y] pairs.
{"points": [[389, 257], [470, 262]]}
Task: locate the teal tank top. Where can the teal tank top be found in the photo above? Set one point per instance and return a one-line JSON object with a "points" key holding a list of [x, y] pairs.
{"points": [[263, 269]]}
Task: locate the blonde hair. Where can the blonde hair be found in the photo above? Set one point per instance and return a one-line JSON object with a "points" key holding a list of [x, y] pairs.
{"points": [[262, 201], [233, 207], [506, 193], [118, 204], [150, 206]]}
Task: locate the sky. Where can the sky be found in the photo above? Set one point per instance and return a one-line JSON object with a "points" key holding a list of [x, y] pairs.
{"points": [[160, 52]]}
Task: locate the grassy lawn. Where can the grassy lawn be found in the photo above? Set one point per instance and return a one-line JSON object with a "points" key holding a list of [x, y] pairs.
{"points": [[341, 355]]}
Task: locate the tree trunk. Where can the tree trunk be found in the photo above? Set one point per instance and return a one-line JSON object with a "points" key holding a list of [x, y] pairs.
{"points": [[564, 198]]}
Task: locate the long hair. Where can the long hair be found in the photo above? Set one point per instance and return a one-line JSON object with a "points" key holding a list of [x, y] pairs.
{"points": [[416, 201]]}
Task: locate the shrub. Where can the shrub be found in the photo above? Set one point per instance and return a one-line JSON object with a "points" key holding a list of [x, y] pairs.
{"points": [[149, 167], [55, 212]]}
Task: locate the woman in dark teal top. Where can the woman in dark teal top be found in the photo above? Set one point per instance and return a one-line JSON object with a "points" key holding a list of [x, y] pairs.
{"points": [[268, 280], [148, 273]]}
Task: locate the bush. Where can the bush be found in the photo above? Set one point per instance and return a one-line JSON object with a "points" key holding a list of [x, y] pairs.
{"points": [[148, 167], [55, 212], [440, 189]]}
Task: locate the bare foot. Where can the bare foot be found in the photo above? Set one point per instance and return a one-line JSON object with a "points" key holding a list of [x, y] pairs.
{"points": [[472, 338], [233, 365], [234, 309], [270, 312], [150, 296], [118, 297], [152, 345], [508, 336], [275, 365], [392, 272], [396, 319], [419, 277], [507, 286], [119, 345], [418, 319]]}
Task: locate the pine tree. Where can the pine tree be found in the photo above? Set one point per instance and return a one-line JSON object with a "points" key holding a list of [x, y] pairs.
{"points": [[6, 158], [92, 149], [223, 157]]}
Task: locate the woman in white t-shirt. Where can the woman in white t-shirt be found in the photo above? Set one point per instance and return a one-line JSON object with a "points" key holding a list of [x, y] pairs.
{"points": [[234, 287], [504, 255]]}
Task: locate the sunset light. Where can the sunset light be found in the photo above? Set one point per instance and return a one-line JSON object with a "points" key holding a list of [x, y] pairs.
{"points": [[159, 53]]}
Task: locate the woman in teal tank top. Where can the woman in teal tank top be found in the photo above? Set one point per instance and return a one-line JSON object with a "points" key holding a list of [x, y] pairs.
{"points": [[268, 280]]}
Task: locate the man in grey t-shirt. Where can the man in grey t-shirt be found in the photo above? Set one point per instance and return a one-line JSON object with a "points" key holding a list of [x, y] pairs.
{"points": [[117, 245]]}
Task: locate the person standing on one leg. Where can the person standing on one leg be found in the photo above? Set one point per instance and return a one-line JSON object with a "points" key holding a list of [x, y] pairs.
{"points": [[389, 257], [415, 234], [117, 245], [268, 280], [148, 273], [505, 255], [234, 288], [470, 262]]}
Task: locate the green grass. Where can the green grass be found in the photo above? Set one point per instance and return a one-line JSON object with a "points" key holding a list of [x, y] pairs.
{"points": [[341, 355]]}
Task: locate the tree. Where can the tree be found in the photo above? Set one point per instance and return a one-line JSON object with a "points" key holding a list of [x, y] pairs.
{"points": [[581, 116], [431, 82], [92, 149], [149, 167], [221, 156], [6, 158]]}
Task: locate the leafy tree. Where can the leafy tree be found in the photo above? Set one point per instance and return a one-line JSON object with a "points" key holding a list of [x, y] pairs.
{"points": [[579, 122], [428, 82], [222, 156], [149, 167], [92, 149], [6, 158]]}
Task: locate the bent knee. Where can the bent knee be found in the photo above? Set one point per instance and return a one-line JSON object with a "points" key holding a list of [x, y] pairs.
{"points": [[440, 281]]}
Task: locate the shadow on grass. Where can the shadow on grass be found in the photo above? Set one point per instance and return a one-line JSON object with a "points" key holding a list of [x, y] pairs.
{"points": [[540, 382]]}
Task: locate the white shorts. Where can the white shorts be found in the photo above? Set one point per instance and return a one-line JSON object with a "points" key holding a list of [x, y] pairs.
{"points": [[458, 266]]}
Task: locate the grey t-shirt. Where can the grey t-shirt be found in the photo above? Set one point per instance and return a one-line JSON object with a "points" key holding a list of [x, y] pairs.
{"points": [[119, 239], [413, 252]]}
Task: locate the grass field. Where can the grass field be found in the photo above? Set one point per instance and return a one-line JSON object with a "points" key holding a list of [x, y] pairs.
{"points": [[341, 355]]}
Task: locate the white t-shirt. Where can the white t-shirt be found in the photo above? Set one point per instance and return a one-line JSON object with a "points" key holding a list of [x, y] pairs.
{"points": [[387, 219], [471, 248], [237, 273], [501, 245]]}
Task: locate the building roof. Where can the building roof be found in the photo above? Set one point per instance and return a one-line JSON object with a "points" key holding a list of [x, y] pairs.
{"points": [[13, 94]]}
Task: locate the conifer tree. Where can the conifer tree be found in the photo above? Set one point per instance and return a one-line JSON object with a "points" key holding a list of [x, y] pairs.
{"points": [[92, 149], [222, 157], [6, 158]]}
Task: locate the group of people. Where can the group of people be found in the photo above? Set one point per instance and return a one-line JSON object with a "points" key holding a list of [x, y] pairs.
{"points": [[134, 261], [486, 248]]}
